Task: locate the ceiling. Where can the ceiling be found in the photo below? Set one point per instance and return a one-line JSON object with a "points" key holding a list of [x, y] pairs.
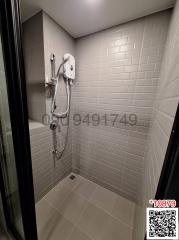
{"points": [[82, 17]]}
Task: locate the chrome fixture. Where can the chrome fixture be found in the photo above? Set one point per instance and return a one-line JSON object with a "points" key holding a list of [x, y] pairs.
{"points": [[68, 75]]}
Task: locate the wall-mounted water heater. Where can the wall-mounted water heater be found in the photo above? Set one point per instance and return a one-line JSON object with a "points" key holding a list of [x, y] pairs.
{"points": [[69, 66]]}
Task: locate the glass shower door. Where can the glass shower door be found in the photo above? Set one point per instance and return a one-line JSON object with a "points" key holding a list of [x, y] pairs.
{"points": [[16, 180], [7, 163]]}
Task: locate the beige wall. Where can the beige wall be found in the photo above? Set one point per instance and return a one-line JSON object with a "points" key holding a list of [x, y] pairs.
{"points": [[117, 73], [164, 110], [33, 49]]}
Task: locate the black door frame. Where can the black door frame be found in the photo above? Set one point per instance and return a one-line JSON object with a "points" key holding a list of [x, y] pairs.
{"points": [[169, 178], [10, 25], [168, 186]]}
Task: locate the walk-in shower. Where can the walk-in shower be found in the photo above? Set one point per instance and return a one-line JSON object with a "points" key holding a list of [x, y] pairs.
{"points": [[68, 75], [86, 136]]}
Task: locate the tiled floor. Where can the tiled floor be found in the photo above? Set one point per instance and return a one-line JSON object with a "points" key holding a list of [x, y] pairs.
{"points": [[82, 210]]}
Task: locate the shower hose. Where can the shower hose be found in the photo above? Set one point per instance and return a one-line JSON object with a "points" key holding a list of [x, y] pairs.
{"points": [[62, 115]]}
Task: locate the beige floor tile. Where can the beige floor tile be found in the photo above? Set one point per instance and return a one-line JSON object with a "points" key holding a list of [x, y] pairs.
{"points": [[104, 199], [124, 210], [57, 196], [72, 207], [85, 188], [45, 214], [62, 190], [69, 183], [78, 235], [56, 229], [116, 230], [93, 221], [65, 214]]}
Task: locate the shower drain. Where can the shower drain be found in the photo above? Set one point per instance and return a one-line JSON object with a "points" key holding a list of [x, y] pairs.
{"points": [[72, 177]]}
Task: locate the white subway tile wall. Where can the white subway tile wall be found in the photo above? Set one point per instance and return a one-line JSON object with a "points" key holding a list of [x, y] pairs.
{"points": [[117, 73], [46, 172], [164, 110]]}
